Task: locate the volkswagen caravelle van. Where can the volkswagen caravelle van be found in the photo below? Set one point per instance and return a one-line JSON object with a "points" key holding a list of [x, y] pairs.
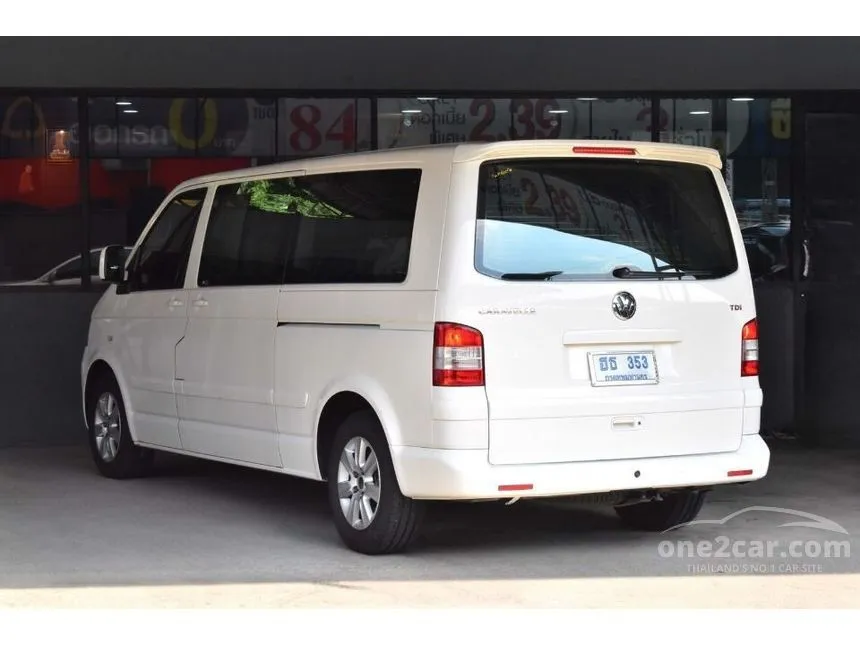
{"points": [[468, 322]]}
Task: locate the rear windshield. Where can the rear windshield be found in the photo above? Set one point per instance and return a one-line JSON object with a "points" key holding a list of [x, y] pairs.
{"points": [[601, 219]]}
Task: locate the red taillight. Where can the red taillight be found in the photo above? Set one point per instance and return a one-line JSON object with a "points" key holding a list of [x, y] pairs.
{"points": [[458, 355], [749, 349], [603, 150]]}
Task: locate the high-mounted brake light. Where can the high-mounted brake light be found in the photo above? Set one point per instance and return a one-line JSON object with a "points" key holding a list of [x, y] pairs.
{"points": [[458, 355], [749, 349], [603, 150]]}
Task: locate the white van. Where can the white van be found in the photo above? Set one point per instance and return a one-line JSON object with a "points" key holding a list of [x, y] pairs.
{"points": [[466, 322]]}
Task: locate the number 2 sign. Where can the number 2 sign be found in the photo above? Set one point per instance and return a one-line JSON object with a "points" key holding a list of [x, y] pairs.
{"points": [[409, 122]]}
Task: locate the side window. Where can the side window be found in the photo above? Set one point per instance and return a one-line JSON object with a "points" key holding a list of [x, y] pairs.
{"points": [[250, 234], [162, 258], [353, 227]]}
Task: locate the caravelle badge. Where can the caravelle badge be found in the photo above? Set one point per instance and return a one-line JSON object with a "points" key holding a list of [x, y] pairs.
{"points": [[506, 310]]}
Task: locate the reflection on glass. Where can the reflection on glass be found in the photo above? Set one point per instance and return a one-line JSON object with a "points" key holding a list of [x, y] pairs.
{"points": [[236, 127], [312, 127], [587, 218], [758, 171], [688, 122], [753, 136], [427, 120], [147, 127], [142, 147], [286, 197], [616, 119], [40, 224], [142, 127]]}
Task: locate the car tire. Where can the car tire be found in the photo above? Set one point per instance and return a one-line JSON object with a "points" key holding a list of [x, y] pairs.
{"points": [[666, 513], [110, 441], [370, 512]]}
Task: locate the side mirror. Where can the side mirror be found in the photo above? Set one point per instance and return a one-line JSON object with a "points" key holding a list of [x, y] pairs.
{"points": [[112, 264]]}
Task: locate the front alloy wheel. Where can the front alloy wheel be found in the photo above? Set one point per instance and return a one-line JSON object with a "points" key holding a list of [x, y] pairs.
{"points": [[107, 427], [112, 447], [358, 483]]}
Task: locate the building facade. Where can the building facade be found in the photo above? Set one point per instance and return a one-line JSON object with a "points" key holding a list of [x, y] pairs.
{"points": [[95, 132]]}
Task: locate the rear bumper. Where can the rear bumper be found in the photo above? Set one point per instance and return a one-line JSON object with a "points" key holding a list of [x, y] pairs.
{"points": [[425, 473]]}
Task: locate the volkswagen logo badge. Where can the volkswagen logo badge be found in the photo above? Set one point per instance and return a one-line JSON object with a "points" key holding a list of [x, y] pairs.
{"points": [[624, 305]]}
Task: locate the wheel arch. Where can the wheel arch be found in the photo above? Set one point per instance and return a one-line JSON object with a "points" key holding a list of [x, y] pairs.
{"points": [[102, 367], [340, 403]]}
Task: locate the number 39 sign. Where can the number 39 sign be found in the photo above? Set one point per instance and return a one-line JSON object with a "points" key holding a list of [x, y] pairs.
{"points": [[311, 126], [408, 122]]}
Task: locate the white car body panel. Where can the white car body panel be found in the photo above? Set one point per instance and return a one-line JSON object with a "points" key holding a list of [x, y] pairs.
{"points": [[225, 385], [147, 328]]}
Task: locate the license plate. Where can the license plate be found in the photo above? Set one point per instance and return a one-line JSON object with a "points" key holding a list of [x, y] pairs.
{"points": [[623, 368]]}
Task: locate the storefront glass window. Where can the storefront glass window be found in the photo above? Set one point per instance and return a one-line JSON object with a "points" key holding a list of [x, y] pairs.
{"points": [[142, 147], [753, 136], [123, 126], [313, 127], [236, 127], [428, 120], [688, 122], [614, 119], [40, 222]]}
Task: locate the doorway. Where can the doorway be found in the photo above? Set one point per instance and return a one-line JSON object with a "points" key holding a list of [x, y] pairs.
{"points": [[828, 285]]}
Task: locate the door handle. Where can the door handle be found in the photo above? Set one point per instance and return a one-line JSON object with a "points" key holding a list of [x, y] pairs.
{"points": [[201, 302], [626, 423], [175, 302]]}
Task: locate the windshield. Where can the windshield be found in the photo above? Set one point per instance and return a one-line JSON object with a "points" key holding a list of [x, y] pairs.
{"points": [[586, 218]]}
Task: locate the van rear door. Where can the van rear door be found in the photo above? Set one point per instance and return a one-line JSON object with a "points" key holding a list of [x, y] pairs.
{"points": [[614, 301]]}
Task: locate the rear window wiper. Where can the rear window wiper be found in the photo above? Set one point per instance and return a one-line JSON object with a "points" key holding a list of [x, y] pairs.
{"points": [[626, 273], [543, 275]]}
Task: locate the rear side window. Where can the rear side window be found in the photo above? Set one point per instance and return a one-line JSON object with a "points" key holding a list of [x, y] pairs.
{"points": [[250, 234], [590, 218], [355, 227], [349, 227]]}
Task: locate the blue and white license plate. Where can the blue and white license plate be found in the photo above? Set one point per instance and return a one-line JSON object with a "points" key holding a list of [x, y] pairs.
{"points": [[623, 368]]}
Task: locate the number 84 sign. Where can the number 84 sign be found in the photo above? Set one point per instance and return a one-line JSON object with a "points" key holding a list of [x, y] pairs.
{"points": [[311, 126]]}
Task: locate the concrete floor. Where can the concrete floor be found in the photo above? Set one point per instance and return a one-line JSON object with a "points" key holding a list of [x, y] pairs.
{"points": [[205, 534]]}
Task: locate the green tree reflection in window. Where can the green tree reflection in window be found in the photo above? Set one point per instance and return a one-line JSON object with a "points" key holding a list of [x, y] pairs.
{"points": [[284, 196]]}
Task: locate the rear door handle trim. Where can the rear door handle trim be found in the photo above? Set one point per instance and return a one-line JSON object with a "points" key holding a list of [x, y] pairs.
{"points": [[626, 423], [200, 302], [175, 302]]}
